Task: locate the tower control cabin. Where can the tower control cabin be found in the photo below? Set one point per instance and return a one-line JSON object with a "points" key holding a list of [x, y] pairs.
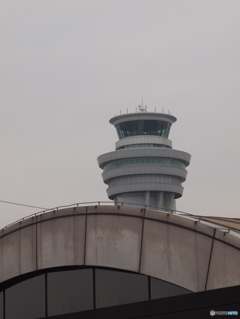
{"points": [[144, 169]]}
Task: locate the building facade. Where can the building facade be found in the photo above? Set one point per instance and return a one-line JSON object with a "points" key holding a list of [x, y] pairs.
{"points": [[84, 258], [81, 258]]}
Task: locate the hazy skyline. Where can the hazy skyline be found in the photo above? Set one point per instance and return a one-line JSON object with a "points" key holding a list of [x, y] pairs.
{"points": [[67, 67]]}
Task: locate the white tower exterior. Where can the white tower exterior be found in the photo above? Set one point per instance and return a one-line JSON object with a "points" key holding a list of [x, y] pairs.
{"points": [[144, 169]]}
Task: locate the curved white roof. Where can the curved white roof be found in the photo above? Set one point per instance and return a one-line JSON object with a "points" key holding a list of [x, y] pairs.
{"points": [[185, 250]]}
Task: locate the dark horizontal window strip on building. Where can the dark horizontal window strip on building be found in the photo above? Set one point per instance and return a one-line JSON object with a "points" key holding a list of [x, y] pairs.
{"points": [[145, 161], [163, 289], [143, 127], [66, 291], [70, 291], [26, 299], [116, 288]]}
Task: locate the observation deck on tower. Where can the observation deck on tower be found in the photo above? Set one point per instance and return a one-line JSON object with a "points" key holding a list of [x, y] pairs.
{"points": [[144, 169]]}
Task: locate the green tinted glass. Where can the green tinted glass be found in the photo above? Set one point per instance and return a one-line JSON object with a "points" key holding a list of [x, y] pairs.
{"points": [[143, 127]]}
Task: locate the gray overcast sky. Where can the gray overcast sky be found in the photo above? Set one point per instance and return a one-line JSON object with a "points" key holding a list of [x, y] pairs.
{"points": [[68, 66]]}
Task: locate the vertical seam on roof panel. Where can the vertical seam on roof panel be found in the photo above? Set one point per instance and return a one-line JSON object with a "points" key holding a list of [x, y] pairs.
{"points": [[36, 245], [85, 238], [210, 258], [4, 302], [94, 287], [19, 251], [140, 257], [46, 294], [149, 288]]}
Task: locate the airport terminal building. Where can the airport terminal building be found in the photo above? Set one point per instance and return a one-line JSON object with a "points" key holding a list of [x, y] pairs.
{"points": [[134, 257]]}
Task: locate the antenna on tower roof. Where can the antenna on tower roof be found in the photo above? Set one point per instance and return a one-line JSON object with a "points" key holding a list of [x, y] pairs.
{"points": [[142, 108]]}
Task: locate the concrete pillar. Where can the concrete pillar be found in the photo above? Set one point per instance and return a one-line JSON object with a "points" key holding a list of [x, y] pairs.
{"points": [[169, 201], [159, 201], [147, 198]]}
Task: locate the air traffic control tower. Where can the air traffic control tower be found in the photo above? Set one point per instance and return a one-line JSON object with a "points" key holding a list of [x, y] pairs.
{"points": [[144, 169]]}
